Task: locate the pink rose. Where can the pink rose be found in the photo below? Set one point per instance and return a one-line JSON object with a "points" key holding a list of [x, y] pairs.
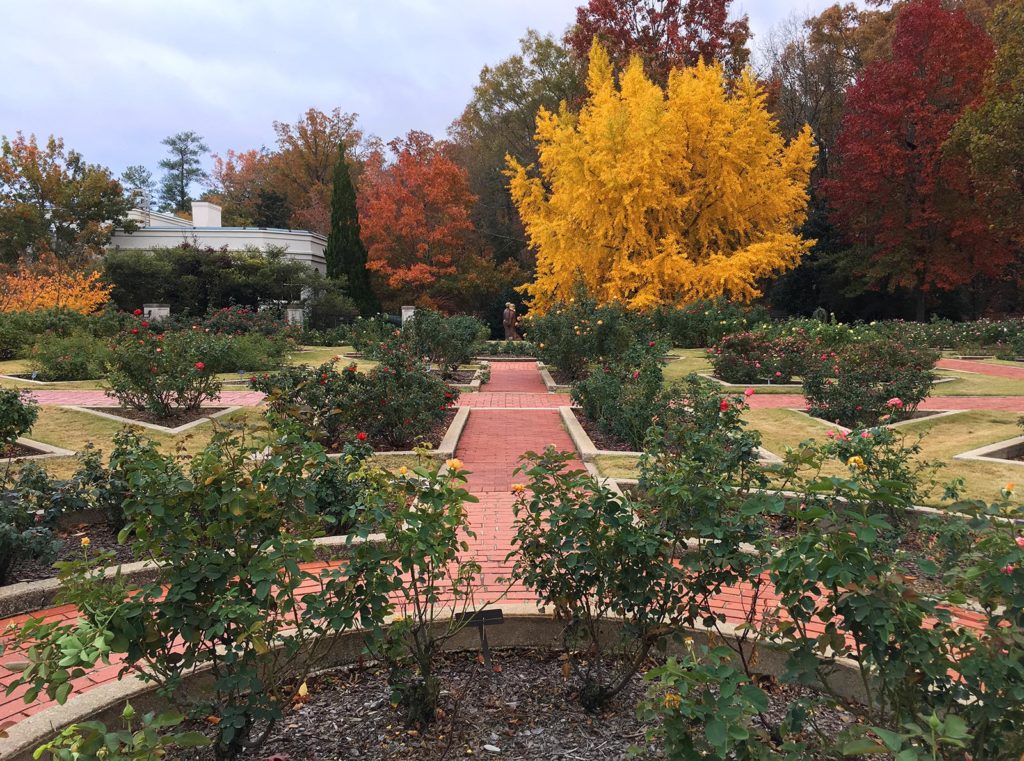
{"points": [[749, 392]]}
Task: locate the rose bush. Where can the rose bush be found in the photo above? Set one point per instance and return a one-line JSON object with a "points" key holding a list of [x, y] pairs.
{"points": [[756, 356], [854, 384]]}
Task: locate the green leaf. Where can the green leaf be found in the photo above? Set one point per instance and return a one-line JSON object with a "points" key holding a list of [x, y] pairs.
{"points": [[863, 747], [717, 734]]}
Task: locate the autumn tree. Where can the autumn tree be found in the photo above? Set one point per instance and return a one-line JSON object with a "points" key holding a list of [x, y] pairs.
{"points": [[665, 34], [346, 254], [139, 186], [182, 169], [307, 153], [51, 283], [660, 196], [242, 184], [909, 209], [499, 120], [414, 210], [991, 134], [53, 202]]}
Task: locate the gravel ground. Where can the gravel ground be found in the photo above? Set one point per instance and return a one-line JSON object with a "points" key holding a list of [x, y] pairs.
{"points": [[525, 709]]}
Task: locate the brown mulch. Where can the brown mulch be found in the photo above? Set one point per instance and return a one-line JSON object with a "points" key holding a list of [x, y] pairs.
{"points": [[20, 450], [459, 376], [602, 440], [102, 537], [144, 416], [559, 377], [525, 709], [433, 437]]}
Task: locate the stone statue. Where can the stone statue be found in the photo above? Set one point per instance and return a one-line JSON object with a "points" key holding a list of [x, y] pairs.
{"points": [[509, 321]]}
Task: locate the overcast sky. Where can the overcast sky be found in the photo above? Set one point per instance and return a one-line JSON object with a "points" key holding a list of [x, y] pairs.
{"points": [[113, 77]]}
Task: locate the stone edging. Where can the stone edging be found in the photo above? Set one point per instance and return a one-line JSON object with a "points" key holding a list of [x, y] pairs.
{"points": [[903, 423], [153, 426], [48, 450], [31, 596], [549, 382], [754, 386], [526, 627], [445, 450], [16, 379], [589, 451], [984, 454]]}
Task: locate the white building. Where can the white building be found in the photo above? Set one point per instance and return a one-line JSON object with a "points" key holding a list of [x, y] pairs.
{"points": [[160, 230]]}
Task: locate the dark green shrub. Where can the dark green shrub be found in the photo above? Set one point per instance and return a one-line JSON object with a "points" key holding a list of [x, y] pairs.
{"points": [[78, 356], [858, 384], [703, 323], [572, 337], [756, 356], [23, 533], [166, 375], [626, 395], [445, 341], [366, 333], [508, 349], [230, 535], [395, 403], [427, 529], [18, 413], [580, 548], [341, 487]]}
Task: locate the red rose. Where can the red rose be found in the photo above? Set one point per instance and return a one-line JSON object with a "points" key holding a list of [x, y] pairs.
{"points": [[144, 324], [361, 435], [723, 405], [200, 366], [137, 313], [651, 344], [135, 331]]}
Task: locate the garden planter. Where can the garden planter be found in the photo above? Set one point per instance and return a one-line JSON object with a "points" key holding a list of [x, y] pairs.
{"points": [[112, 414]]}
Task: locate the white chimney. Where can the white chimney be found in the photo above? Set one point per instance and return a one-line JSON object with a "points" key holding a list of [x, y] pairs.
{"points": [[205, 214]]}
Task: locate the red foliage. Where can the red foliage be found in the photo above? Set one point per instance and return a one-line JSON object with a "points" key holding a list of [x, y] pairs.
{"points": [[896, 192], [414, 213], [664, 33]]}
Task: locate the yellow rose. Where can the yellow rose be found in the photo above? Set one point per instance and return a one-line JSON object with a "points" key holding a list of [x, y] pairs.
{"points": [[518, 488], [403, 470], [672, 701], [454, 464], [857, 462], [86, 541]]}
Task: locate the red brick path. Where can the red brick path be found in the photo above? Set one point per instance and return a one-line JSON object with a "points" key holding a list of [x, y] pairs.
{"points": [[981, 367], [995, 403]]}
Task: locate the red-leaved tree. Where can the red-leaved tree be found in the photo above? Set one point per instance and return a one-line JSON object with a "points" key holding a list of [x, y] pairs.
{"points": [[666, 34], [414, 213], [907, 206]]}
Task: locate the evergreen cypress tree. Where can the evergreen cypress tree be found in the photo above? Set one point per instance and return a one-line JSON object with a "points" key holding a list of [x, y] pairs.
{"points": [[346, 254]]}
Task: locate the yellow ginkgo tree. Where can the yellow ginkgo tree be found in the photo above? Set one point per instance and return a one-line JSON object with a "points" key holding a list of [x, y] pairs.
{"points": [[655, 196]]}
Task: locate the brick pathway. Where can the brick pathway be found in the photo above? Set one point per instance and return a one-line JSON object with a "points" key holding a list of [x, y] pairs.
{"points": [[513, 414], [981, 367]]}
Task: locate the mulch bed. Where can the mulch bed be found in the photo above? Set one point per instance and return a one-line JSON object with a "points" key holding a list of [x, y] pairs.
{"points": [[20, 450], [459, 376], [602, 440], [525, 710], [559, 377], [433, 437], [102, 537], [144, 416]]}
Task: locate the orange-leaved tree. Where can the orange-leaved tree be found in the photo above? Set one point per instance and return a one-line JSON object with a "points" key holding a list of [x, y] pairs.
{"points": [[52, 284], [656, 196], [414, 213]]}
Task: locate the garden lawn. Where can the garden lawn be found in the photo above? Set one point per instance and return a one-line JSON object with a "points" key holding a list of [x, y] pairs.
{"points": [[944, 438], [976, 384]]}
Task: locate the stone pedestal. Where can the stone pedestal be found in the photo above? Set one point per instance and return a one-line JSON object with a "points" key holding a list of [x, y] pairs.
{"points": [[294, 314], [155, 312], [407, 313]]}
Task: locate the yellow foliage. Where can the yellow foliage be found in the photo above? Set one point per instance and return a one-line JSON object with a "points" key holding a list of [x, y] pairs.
{"points": [[50, 284], [653, 196]]}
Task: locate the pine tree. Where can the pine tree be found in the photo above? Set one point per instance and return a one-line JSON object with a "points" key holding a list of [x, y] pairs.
{"points": [[346, 254], [181, 168]]}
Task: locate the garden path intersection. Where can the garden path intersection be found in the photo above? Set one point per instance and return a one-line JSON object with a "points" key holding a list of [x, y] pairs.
{"points": [[511, 415]]}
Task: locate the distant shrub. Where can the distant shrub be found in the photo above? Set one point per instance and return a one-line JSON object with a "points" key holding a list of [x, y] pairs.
{"points": [[858, 384], [703, 323], [755, 356], [78, 356], [18, 413], [445, 341]]}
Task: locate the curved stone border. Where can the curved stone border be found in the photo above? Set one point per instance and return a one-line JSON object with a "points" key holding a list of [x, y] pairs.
{"points": [[16, 379], [153, 426], [755, 386], [48, 450], [525, 627], [31, 596], [589, 451]]}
